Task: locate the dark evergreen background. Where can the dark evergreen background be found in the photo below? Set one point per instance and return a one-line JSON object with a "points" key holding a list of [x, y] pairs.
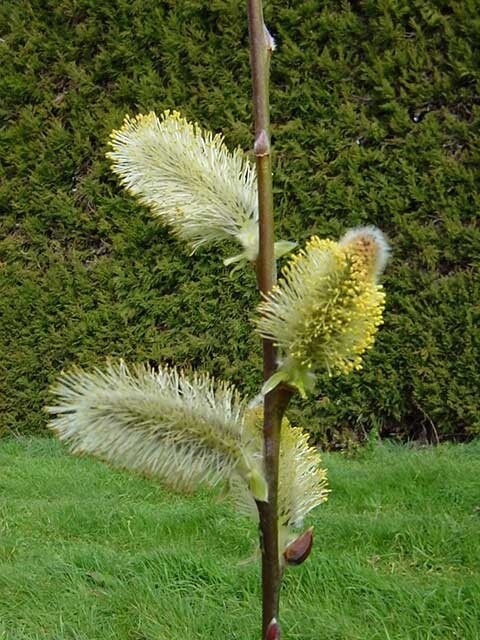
{"points": [[376, 116]]}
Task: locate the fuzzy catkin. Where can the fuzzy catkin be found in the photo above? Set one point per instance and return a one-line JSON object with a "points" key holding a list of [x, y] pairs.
{"points": [[158, 422], [188, 178], [325, 312]]}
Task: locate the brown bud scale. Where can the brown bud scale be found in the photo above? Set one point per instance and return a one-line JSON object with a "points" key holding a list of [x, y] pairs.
{"points": [[298, 551]]}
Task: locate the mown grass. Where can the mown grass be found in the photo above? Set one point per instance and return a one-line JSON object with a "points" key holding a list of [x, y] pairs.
{"points": [[87, 553]]}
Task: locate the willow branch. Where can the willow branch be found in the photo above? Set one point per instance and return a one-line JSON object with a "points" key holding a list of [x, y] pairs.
{"points": [[261, 46]]}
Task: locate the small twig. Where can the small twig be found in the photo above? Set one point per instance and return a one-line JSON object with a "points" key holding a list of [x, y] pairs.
{"points": [[434, 432]]}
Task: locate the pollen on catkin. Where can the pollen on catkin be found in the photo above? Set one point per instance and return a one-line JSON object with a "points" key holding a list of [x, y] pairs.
{"points": [[302, 480], [188, 178], [325, 312]]}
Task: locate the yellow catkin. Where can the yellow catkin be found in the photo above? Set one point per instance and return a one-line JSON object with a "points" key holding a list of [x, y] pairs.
{"points": [[325, 312]]}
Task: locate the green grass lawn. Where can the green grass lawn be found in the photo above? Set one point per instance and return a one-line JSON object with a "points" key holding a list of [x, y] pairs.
{"points": [[88, 553]]}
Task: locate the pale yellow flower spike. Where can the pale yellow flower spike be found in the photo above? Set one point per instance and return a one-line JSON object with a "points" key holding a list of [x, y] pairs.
{"points": [[189, 178], [183, 430], [302, 482], [325, 312], [302, 479]]}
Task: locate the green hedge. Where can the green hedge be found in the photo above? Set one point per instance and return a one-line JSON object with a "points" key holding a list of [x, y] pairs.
{"points": [[375, 115]]}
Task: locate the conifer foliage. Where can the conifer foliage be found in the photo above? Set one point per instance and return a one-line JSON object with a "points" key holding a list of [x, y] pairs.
{"points": [[375, 121]]}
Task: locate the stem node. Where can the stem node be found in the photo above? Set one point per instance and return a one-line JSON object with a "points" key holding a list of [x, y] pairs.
{"points": [[269, 40], [262, 145]]}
